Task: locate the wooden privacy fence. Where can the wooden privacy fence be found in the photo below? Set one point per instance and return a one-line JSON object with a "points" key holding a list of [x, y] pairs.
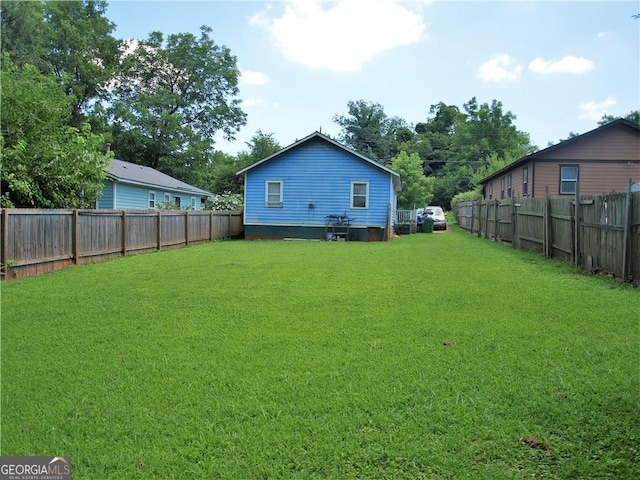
{"points": [[38, 241], [600, 233]]}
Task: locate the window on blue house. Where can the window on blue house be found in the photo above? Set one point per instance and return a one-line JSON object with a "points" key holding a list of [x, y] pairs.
{"points": [[193, 203], [359, 194], [152, 199], [273, 193]]}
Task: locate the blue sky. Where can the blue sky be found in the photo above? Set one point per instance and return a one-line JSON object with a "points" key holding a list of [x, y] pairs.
{"points": [[557, 66]]}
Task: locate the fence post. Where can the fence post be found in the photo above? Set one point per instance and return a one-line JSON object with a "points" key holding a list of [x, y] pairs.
{"points": [[211, 226], [473, 214], [75, 236], [486, 219], [159, 239], [186, 227], [495, 221], [576, 233], [627, 234], [547, 224], [514, 216], [124, 233], [5, 241]]}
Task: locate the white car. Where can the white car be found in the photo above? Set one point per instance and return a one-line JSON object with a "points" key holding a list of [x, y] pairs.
{"points": [[437, 215]]}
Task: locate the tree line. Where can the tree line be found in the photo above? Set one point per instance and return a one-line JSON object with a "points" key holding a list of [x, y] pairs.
{"points": [[69, 88]]}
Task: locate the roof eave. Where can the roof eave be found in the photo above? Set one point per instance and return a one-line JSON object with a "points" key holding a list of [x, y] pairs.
{"points": [[569, 141], [127, 181], [324, 137]]}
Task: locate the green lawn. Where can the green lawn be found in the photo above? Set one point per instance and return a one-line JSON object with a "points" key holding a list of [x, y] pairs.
{"points": [[438, 356]]}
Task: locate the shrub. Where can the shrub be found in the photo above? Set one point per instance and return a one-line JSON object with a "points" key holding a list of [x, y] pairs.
{"points": [[225, 201], [469, 196]]}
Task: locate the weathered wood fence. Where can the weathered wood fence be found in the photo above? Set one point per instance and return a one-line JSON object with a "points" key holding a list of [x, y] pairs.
{"points": [[599, 233], [39, 241]]}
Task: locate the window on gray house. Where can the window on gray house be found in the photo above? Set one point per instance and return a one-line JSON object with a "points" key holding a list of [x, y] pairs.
{"points": [[525, 181]]}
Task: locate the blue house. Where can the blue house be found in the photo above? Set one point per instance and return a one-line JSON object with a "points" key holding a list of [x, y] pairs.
{"points": [[131, 186], [317, 188]]}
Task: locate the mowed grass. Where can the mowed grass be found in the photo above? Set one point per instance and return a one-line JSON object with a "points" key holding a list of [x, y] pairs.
{"points": [[438, 356]]}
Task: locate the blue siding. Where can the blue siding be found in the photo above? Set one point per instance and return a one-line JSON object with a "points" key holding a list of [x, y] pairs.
{"points": [[137, 197], [132, 197], [318, 173], [106, 200]]}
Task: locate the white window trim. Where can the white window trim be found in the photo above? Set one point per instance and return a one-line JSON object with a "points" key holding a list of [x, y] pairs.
{"points": [[152, 199], [266, 194], [193, 202], [568, 181], [366, 201]]}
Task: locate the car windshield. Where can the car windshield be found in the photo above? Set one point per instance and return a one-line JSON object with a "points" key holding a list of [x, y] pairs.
{"points": [[435, 211]]}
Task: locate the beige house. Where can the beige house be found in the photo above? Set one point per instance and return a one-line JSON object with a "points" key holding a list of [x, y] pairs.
{"points": [[603, 160]]}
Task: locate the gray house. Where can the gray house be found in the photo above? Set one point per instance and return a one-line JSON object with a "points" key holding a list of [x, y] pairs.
{"points": [[131, 186]]}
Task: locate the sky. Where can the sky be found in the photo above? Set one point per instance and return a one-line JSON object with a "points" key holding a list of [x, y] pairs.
{"points": [[557, 66]]}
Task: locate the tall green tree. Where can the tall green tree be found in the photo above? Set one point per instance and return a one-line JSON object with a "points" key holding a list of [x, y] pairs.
{"points": [[488, 129], [434, 137], [368, 130], [24, 33], [45, 162], [82, 51], [415, 188], [171, 98]]}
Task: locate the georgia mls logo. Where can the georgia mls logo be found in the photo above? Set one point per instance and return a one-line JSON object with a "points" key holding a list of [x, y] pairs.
{"points": [[35, 468]]}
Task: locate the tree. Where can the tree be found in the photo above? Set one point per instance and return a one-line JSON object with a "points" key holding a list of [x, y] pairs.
{"points": [[415, 190], [369, 131], [45, 163], [24, 33], [488, 129], [433, 138], [633, 116], [222, 176], [261, 145], [81, 51], [171, 98]]}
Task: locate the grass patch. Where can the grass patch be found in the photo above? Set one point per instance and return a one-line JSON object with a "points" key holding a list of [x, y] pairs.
{"points": [[433, 356]]}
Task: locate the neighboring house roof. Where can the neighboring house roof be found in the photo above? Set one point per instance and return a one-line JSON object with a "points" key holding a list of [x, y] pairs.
{"points": [[331, 141], [544, 151], [130, 173]]}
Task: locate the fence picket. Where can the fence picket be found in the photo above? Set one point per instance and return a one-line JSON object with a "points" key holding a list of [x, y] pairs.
{"points": [[600, 233], [38, 241]]}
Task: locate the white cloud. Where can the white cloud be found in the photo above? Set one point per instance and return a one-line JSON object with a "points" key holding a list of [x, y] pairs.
{"points": [[340, 35], [501, 67], [258, 102], [568, 64], [593, 110], [249, 77]]}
